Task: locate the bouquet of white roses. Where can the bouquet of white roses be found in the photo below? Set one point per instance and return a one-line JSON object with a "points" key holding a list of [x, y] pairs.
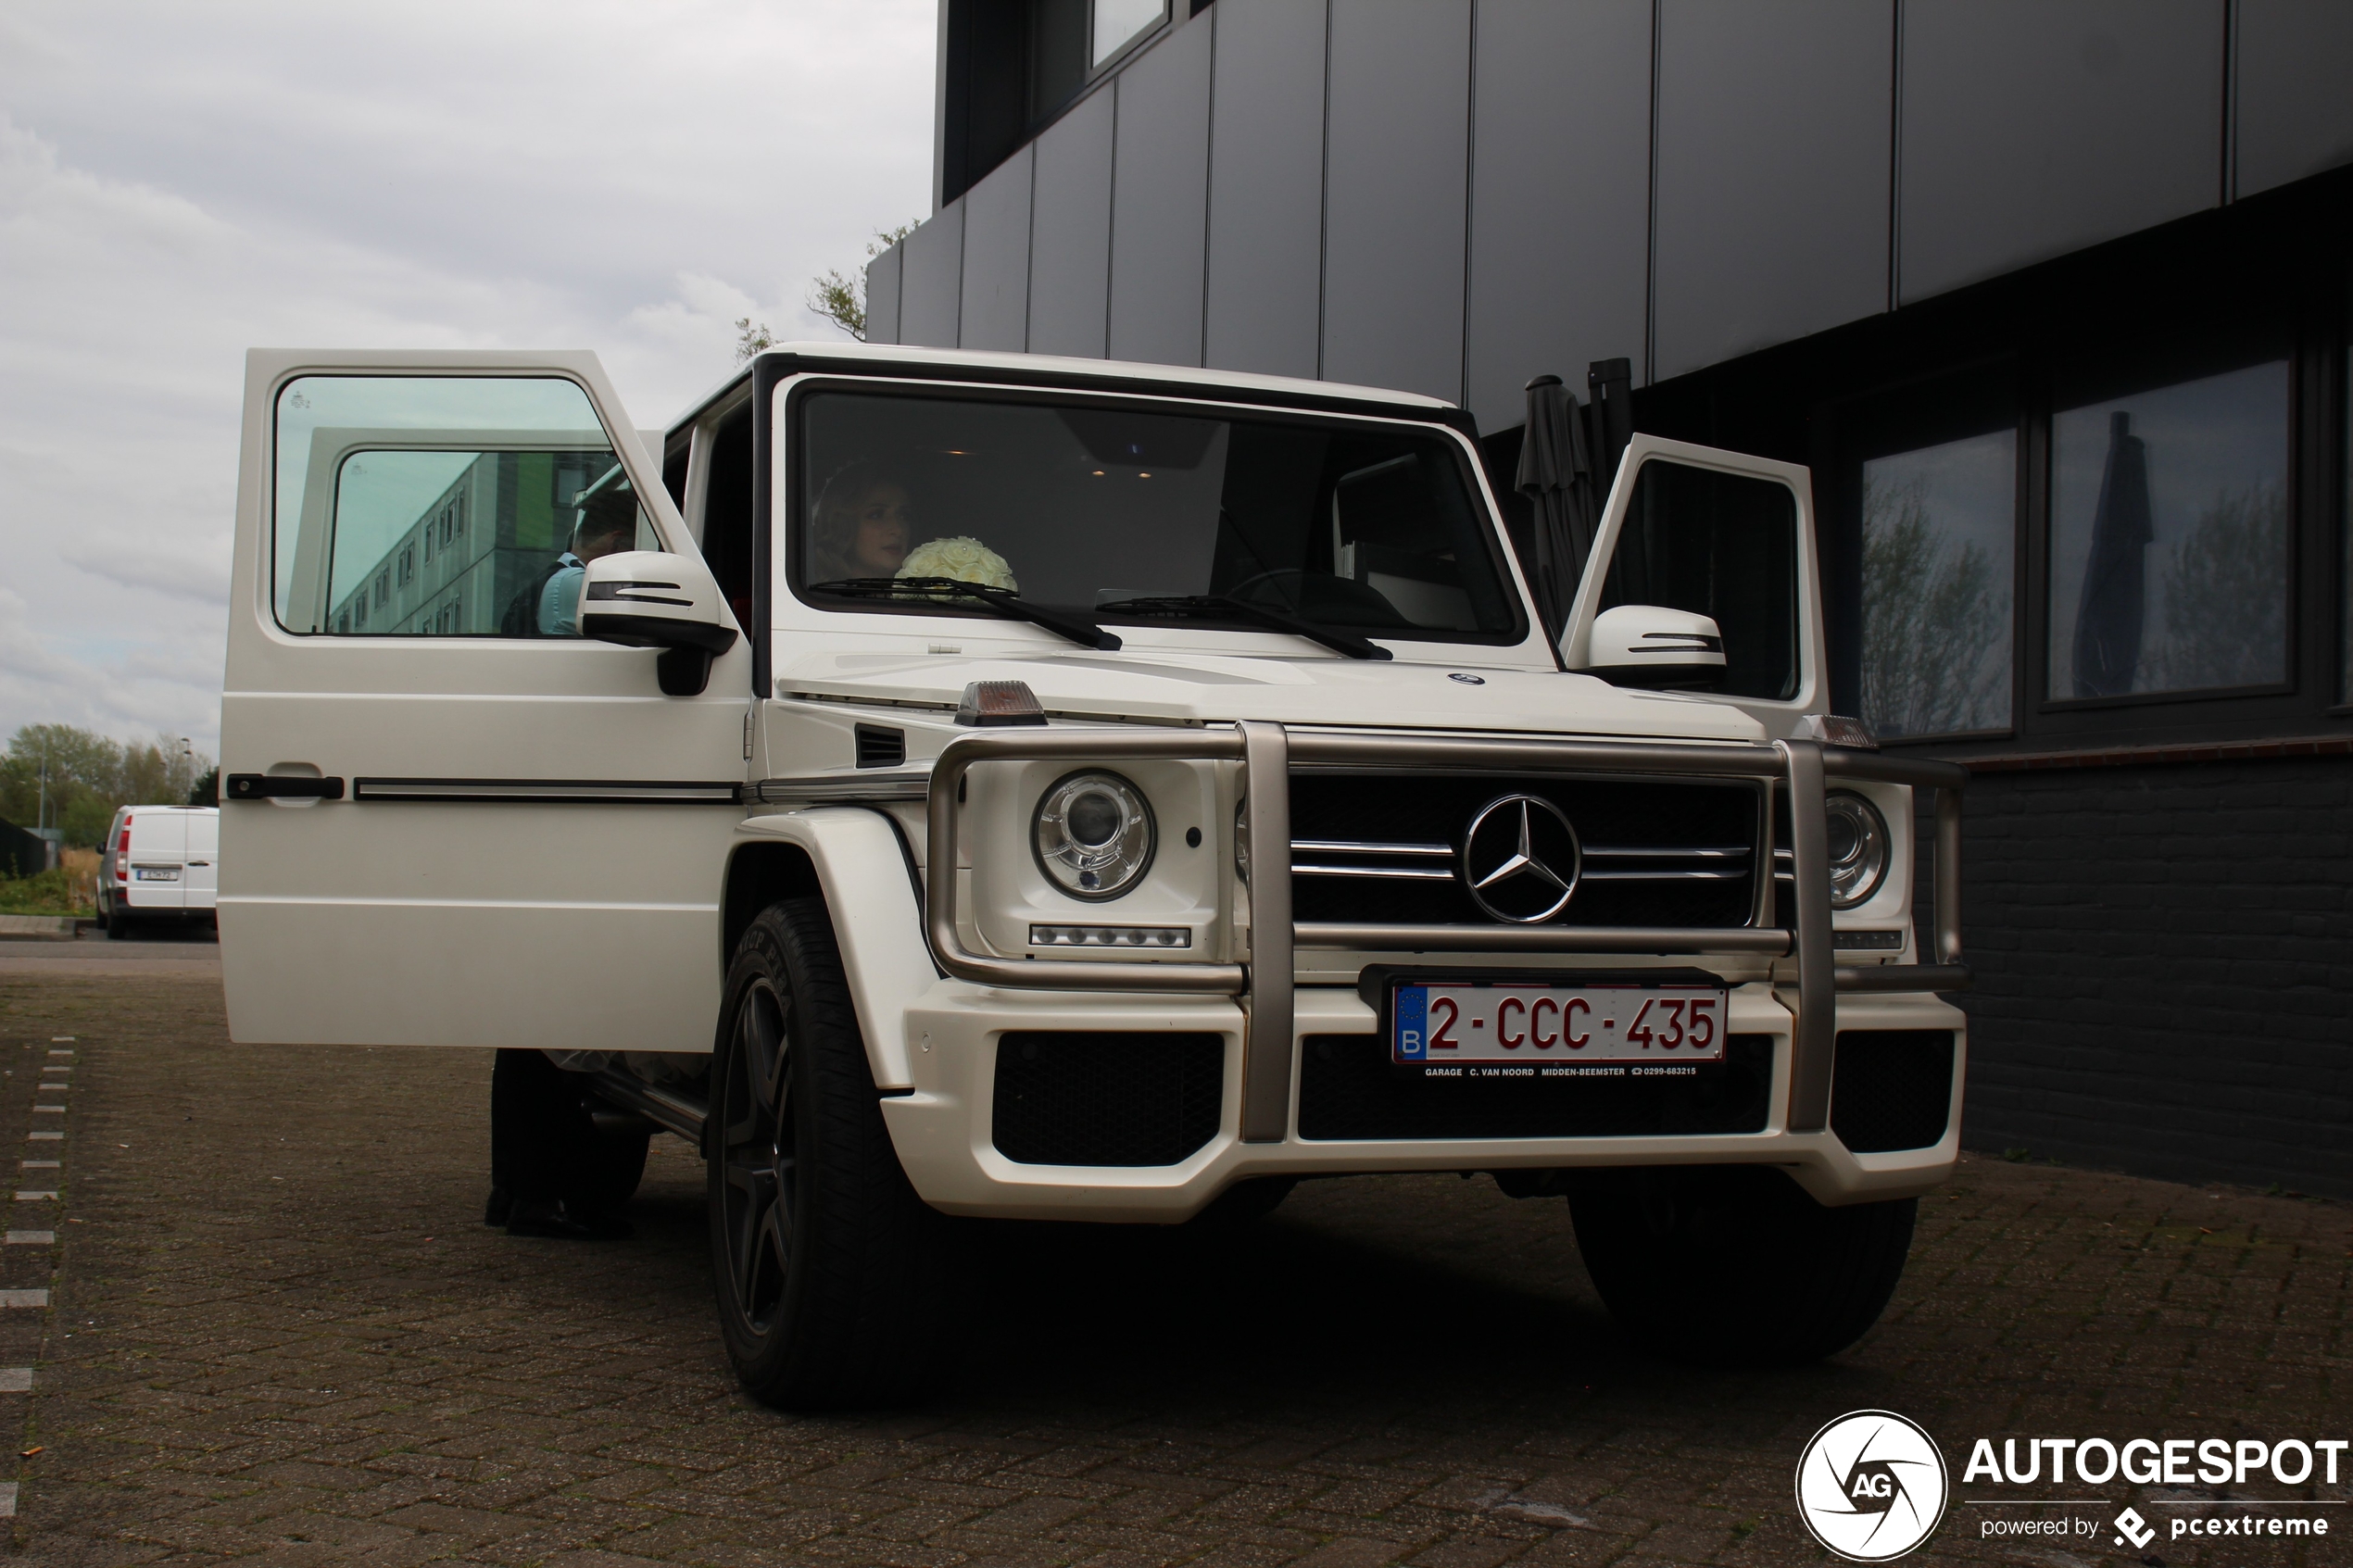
{"points": [[964, 558]]}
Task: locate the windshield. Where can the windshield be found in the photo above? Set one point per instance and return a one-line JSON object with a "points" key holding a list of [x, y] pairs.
{"points": [[1138, 517]]}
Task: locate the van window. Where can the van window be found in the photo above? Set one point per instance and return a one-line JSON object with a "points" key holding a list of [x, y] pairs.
{"points": [[443, 506]]}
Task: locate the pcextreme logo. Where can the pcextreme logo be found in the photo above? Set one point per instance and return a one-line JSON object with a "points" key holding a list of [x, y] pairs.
{"points": [[1871, 1485]]}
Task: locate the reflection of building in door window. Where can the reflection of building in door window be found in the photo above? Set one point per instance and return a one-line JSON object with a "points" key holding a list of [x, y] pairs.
{"points": [[487, 535], [2168, 538], [1938, 529]]}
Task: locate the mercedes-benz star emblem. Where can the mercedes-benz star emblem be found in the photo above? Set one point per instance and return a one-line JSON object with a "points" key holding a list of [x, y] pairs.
{"points": [[1520, 860]]}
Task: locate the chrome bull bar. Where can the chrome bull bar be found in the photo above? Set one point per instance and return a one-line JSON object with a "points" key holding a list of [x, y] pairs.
{"points": [[1264, 983]]}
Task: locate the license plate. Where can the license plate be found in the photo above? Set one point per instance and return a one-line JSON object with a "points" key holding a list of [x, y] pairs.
{"points": [[1435, 1024], [154, 873]]}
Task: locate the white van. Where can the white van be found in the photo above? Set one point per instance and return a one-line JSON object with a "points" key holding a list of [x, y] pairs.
{"points": [[160, 863]]}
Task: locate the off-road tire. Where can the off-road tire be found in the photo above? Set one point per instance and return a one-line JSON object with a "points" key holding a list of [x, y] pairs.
{"points": [[552, 1138], [832, 1276], [1738, 1266]]}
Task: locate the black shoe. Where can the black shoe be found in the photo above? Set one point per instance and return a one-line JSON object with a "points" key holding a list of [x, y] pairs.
{"points": [[557, 1220], [501, 1204]]}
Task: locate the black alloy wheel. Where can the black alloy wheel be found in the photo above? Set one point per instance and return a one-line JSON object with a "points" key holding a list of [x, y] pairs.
{"points": [[833, 1278], [756, 1156]]}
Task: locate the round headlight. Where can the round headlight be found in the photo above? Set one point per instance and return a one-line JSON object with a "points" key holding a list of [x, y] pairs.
{"points": [[1858, 845], [1094, 835]]}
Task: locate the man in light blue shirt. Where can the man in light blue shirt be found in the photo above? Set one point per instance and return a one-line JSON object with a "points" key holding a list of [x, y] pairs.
{"points": [[559, 611]]}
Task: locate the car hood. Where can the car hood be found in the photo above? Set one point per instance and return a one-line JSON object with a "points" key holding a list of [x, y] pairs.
{"points": [[1158, 687]]}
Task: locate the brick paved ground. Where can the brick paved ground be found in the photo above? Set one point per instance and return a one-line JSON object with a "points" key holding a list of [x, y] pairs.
{"points": [[282, 1334]]}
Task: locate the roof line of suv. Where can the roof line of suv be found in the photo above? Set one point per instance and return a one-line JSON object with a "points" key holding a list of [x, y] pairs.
{"points": [[1094, 375]]}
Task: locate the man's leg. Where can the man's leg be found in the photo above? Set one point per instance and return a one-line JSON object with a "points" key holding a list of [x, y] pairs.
{"points": [[540, 1138]]}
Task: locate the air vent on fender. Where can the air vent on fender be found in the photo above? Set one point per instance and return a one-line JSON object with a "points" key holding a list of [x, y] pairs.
{"points": [[880, 746]]}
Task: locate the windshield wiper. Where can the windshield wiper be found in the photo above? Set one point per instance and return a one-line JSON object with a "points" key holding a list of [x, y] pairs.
{"points": [[1347, 643], [1006, 602]]}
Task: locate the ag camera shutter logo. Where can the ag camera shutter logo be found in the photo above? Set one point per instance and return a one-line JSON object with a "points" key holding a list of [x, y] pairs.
{"points": [[1871, 1485]]}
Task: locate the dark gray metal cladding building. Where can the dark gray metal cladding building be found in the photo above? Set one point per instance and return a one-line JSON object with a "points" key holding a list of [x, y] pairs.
{"points": [[2051, 294]]}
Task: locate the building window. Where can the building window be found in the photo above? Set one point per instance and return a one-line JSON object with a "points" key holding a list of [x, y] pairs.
{"points": [[2169, 554], [1071, 42], [1118, 23], [1939, 530]]}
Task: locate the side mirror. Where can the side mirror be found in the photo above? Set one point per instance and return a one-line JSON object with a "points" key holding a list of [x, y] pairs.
{"points": [[1661, 650], [651, 599]]}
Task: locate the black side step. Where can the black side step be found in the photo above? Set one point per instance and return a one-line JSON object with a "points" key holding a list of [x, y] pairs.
{"points": [[668, 1108]]}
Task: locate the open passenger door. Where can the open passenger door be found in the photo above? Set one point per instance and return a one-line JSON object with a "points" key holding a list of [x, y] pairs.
{"points": [[449, 817], [1696, 531]]}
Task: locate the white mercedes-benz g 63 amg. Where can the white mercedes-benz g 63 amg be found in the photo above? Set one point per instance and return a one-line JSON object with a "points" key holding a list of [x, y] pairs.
{"points": [[949, 785]]}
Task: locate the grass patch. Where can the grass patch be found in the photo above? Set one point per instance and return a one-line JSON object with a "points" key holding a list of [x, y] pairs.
{"points": [[48, 893]]}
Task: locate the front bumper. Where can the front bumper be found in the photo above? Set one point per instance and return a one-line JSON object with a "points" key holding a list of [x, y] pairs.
{"points": [[943, 1129]]}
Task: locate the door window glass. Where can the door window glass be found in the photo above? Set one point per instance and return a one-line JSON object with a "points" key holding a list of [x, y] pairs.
{"points": [[1939, 526], [1721, 545], [727, 511], [2168, 538], [443, 506]]}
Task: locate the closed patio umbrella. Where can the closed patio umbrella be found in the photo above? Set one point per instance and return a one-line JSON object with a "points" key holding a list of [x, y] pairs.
{"points": [[1609, 415], [1549, 465], [2109, 616]]}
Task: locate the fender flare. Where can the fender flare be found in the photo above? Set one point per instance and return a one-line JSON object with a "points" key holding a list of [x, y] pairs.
{"points": [[877, 921]]}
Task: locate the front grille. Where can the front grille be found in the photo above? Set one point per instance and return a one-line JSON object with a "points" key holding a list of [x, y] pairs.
{"points": [[1893, 1088], [1106, 1098], [1348, 1089], [1388, 848]]}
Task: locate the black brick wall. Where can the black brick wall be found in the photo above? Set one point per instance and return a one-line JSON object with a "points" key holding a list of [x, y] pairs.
{"points": [[2164, 959]]}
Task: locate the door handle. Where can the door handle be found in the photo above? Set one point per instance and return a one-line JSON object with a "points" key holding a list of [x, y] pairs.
{"points": [[277, 786]]}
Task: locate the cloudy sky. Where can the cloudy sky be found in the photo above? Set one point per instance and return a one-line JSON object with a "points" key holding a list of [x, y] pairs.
{"points": [[179, 183]]}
